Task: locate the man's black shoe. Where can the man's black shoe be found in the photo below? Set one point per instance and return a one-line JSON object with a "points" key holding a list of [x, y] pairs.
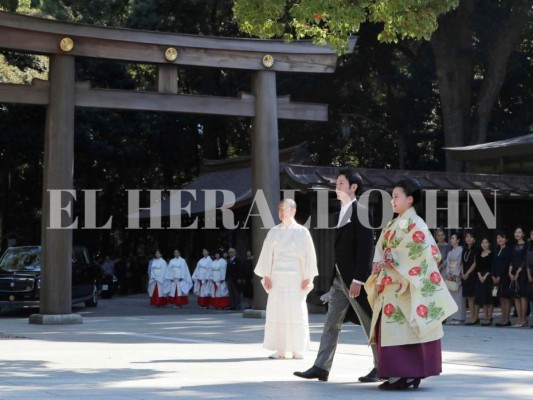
{"points": [[314, 372], [372, 376]]}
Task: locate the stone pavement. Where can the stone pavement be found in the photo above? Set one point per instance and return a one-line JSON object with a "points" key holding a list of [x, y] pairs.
{"points": [[127, 350]]}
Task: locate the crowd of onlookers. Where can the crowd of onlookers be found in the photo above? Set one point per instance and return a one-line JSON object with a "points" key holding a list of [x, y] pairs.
{"points": [[481, 275]]}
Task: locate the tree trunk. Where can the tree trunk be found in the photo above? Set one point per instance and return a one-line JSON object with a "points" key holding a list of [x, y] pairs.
{"points": [[452, 47], [505, 41]]}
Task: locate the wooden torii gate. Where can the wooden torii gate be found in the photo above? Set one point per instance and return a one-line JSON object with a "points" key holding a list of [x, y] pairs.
{"points": [[63, 42]]}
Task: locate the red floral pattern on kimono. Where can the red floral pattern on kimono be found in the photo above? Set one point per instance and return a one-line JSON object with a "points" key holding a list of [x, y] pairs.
{"points": [[410, 294]]}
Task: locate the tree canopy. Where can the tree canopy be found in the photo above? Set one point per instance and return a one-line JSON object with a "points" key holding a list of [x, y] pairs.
{"points": [[332, 22], [473, 42]]}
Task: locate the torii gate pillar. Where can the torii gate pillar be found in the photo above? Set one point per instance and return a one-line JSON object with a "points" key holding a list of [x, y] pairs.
{"points": [[56, 303], [265, 162]]}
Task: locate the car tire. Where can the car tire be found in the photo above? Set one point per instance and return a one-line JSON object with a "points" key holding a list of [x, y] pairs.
{"points": [[93, 302]]}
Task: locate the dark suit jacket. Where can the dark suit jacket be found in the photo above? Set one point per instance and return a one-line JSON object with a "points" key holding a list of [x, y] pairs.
{"points": [[353, 251], [234, 270], [353, 246]]}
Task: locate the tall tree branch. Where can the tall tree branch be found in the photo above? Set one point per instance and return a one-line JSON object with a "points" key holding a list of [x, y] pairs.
{"points": [[505, 41]]}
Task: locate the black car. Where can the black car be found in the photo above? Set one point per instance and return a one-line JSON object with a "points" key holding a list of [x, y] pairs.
{"points": [[20, 277]]}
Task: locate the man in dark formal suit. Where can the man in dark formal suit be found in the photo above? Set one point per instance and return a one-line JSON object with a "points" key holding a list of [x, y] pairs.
{"points": [[353, 252], [234, 279]]}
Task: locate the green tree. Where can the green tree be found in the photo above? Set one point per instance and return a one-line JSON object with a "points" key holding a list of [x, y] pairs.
{"points": [[333, 21], [472, 45]]}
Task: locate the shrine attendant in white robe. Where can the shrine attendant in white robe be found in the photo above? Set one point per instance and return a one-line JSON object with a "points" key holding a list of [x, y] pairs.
{"points": [[220, 297], [179, 280], [288, 265], [157, 281], [203, 287]]}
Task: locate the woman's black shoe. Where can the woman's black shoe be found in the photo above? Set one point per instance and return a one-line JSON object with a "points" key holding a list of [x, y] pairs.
{"points": [[400, 384], [415, 383], [476, 322], [499, 324]]}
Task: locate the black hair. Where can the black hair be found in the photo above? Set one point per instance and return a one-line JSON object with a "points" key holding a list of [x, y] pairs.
{"points": [[471, 233], [502, 234], [519, 227], [457, 235], [411, 187], [352, 178], [485, 238]]}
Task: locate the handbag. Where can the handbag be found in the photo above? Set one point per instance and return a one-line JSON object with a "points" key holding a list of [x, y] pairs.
{"points": [[495, 290], [514, 289], [452, 285]]}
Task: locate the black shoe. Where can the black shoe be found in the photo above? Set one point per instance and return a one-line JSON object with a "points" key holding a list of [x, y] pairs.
{"points": [[499, 324], [400, 384], [314, 372], [476, 322], [371, 377]]}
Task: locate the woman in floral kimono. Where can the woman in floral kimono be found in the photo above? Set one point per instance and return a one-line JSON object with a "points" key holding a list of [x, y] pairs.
{"points": [[408, 296]]}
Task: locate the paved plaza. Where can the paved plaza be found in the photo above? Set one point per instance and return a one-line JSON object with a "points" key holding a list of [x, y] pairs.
{"points": [[127, 350]]}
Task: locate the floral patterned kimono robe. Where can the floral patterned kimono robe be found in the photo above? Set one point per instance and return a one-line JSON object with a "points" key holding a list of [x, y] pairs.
{"points": [[409, 300]]}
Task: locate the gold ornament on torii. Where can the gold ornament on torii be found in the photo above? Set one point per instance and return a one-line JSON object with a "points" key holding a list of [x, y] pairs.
{"points": [[66, 44]]}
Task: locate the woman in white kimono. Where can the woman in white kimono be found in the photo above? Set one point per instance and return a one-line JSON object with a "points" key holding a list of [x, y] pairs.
{"points": [[452, 273], [203, 287], [220, 298], [287, 265], [408, 296], [179, 280], [157, 281]]}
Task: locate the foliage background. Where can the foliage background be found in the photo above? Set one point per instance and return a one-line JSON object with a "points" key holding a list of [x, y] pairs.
{"points": [[387, 92]]}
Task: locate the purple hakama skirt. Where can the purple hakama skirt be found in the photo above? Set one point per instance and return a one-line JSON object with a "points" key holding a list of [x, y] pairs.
{"points": [[410, 360]]}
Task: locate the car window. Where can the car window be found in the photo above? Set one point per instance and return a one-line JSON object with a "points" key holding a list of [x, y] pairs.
{"points": [[21, 259], [80, 254]]}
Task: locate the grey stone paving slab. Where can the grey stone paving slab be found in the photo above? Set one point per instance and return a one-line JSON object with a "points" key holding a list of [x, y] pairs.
{"points": [[201, 354]]}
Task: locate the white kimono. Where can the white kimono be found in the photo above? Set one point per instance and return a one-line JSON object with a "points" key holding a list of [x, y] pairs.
{"points": [[218, 277], [288, 257], [158, 276], [203, 286], [179, 277]]}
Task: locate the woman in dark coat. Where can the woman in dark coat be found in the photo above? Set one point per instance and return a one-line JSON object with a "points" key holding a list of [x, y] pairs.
{"points": [[500, 276], [484, 282], [518, 276], [469, 276]]}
